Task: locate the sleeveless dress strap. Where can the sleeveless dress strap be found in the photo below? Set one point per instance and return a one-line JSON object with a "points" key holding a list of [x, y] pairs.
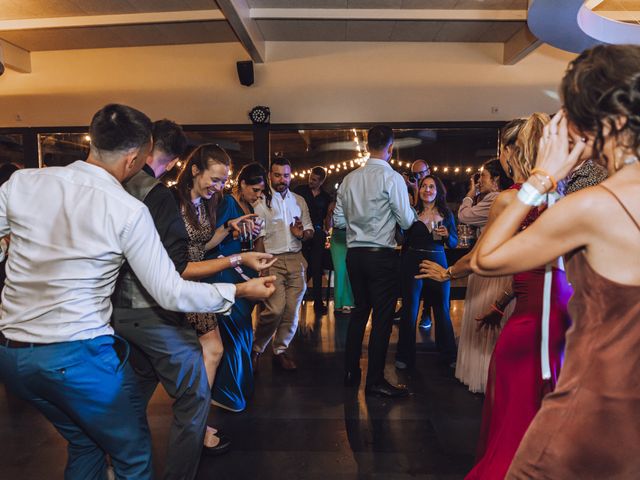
{"points": [[623, 206]]}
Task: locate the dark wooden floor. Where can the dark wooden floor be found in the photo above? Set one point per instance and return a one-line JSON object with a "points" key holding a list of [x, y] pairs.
{"points": [[302, 425]]}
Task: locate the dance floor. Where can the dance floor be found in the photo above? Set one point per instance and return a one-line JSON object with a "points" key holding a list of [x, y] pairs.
{"points": [[302, 425]]}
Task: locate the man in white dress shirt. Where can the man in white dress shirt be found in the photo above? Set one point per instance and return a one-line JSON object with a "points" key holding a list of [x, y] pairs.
{"points": [[286, 225], [71, 230], [371, 201]]}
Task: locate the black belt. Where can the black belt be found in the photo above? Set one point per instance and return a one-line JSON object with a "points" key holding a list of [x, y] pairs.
{"points": [[373, 249], [16, 344]]}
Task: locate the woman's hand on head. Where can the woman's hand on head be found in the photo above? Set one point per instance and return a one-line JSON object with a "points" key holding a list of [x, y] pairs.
{"points": [[554, 156]]}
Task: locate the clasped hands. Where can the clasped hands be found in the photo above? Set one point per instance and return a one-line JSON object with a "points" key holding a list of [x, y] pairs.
{"points": [[257, 289]]}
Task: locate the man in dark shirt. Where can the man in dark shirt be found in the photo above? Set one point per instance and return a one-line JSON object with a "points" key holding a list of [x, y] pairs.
{"points": [[164, 347], [313, 250]]}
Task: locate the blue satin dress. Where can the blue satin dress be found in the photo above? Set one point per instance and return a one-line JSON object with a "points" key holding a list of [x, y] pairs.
{"points": [[233, 384]]}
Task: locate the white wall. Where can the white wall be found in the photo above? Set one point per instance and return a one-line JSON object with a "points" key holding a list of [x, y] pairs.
{"points": [[302, 83]]}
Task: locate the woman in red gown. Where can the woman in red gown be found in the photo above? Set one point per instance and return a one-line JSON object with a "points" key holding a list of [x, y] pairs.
{"points": [[515, 387]]}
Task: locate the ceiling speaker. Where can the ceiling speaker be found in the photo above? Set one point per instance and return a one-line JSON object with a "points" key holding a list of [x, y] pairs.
{"points": [[245, 72]]}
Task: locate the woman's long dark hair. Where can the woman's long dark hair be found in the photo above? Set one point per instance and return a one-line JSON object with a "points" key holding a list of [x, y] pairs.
{"points": [[202, 157], [254, 174], [441, 197], [495, 170]]}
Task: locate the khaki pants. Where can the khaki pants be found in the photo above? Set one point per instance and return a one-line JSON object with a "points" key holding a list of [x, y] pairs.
{"points": [[280, 312]]}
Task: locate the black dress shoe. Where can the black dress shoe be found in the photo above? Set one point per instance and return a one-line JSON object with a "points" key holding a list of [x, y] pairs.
{"points": [[352, 378], [320, 308], [222, 447], [385, 389]]}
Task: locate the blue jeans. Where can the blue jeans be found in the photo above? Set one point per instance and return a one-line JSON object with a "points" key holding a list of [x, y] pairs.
{"points": [[91, 396], [437, 295]]}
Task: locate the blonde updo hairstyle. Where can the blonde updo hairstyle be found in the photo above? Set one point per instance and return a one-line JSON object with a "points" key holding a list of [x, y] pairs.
{"points": [[523, 136]]}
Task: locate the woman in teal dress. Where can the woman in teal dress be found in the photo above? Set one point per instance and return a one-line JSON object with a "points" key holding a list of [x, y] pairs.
{"points": [[234, 380], [342, 294]]}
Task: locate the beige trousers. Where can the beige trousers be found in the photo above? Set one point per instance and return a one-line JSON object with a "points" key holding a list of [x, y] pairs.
{"points": [[279, 315]]}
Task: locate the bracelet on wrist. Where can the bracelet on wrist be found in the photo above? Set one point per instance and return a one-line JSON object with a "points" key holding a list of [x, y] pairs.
{"points": [[548, 176], [450, 273], [235, 260], [529, 195]]}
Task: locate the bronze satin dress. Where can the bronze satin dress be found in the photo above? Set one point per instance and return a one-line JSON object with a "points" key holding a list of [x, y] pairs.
{"points": [[589, 427]]}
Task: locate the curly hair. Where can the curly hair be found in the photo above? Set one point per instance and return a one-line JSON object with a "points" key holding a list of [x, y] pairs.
{"points": [[601, 85]]}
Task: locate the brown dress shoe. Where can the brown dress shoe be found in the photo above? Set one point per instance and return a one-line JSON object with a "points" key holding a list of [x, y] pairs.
{"points": [[284, 361], [254, 361]]}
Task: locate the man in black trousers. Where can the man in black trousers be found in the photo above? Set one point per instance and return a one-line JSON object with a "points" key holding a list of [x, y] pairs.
{"points": [[371, 201], [318, 201]]}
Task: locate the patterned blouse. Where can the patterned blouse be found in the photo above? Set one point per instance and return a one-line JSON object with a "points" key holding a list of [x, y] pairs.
{"points": [[199, 235]]}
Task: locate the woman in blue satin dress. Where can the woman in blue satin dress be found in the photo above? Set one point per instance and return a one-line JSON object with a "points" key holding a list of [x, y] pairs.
{"points": [[234, 379]]}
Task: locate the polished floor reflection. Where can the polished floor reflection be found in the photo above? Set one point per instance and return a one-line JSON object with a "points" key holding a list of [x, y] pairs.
{"points": [[302, 425]]}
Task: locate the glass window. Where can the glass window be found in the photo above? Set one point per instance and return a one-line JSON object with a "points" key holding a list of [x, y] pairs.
{"points": [[61, 149], [454, 154], [238, 144], [11, 149]]}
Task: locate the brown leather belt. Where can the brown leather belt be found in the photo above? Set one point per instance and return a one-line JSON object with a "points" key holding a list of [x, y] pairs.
{"points": [[16, 344]]}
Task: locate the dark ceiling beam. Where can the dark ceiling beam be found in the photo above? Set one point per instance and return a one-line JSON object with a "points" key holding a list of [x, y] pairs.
{"points": [[521, 44], [237, 13]]}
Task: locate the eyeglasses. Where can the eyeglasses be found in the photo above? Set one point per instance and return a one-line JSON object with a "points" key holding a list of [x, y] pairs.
{"points": [[421, 173]]}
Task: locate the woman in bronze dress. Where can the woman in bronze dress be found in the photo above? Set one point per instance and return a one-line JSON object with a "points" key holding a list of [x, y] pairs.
{"points": [[589, 427]]}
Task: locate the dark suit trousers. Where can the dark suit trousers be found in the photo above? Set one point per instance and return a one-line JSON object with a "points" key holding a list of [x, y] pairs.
{"points": [[374, 280], [162, 350], [313, 251]]}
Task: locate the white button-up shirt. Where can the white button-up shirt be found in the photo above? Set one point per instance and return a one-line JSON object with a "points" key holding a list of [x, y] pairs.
{"points": [[371, 201], [277, 219], [71, 230]]}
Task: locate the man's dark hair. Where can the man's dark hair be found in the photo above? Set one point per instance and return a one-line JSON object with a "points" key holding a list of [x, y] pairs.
{"points": [[379, 137], [279, 161], [169, 138], [119, 128], [320, 172]]}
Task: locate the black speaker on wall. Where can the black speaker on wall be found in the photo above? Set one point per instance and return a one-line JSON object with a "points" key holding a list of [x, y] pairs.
{"points": [[245, 72]]}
